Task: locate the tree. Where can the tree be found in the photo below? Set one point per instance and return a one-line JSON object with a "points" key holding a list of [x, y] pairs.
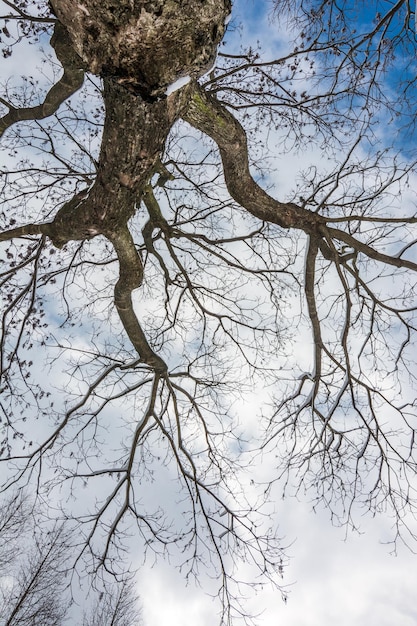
{"points": [[35, 577], [115, 609], [194, 281], [32, 568]]}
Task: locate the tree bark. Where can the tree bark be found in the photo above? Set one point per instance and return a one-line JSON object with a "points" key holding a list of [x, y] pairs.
{"points": [[205, 113], [69, 83], [139, 48], [145, 44], [134, 138]]}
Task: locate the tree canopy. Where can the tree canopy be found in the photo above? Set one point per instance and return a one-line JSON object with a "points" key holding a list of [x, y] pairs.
{"points": [[190, 325]]}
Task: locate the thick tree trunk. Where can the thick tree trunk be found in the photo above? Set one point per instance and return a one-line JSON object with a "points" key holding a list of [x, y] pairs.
{"points": [[139, 48], [134, 138]]}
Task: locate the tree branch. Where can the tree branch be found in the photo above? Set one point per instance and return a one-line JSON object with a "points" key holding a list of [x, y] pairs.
{"points": [[71, 81], [209, 116], [21, 15]]}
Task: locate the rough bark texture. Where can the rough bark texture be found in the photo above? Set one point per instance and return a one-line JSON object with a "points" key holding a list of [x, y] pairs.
{"points": [[134, 137], [130, 278], [145, 44], [139, 48], [208, 115]]}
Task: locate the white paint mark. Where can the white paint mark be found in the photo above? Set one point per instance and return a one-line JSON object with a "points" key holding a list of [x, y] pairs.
{"points": [[177, 84]]}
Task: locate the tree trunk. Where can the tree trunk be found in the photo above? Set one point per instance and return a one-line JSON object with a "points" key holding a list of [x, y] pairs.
{"points": [[140, 48]]}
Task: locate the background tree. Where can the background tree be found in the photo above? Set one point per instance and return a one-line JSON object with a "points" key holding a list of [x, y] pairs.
{"points": [[33, 574], [194, 278], [115, 609], [35, 580]]}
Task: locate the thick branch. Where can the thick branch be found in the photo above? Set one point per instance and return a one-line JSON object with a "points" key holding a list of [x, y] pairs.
{"points": [[134, 137], [24, 231], [310, 280], [212, 118], [368, 251], [70, 82]]}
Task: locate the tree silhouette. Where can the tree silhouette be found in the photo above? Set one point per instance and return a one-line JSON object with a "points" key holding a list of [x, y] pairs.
{"points": [[33, 576], [117, 609], [150, 262]]}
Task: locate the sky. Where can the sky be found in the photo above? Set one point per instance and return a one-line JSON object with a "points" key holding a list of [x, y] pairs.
{"points": [[332, 576], [333, 580]]}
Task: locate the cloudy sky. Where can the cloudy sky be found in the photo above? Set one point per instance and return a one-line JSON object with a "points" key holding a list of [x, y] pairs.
{"points": [[333, 580], [333, 577]]}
